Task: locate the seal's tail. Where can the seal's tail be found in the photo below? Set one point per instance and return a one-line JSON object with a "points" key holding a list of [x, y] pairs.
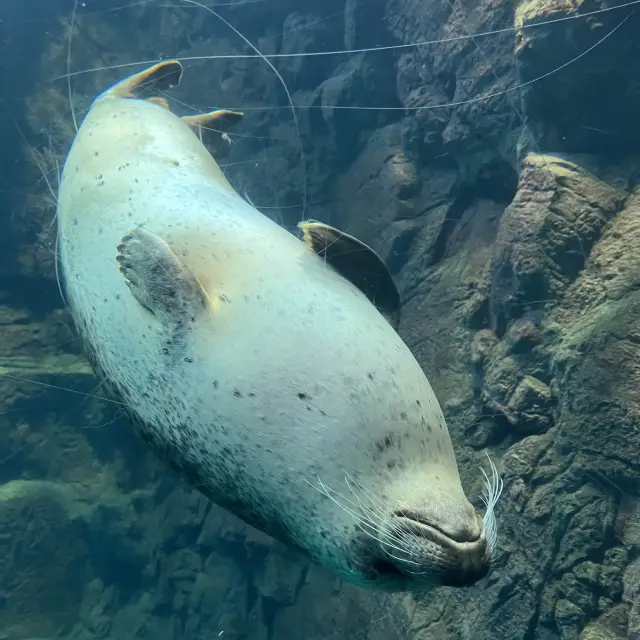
{"points": [[159, 77]]}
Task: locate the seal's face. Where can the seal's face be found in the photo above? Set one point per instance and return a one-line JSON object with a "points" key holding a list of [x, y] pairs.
{"points": [[432, 536]]}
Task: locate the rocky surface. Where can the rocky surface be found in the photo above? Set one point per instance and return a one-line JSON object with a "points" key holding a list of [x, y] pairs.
{"points": [[517, 252]]}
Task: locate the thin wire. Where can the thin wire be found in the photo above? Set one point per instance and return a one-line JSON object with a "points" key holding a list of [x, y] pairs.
{"points": [[284, 86], [305, 54], [73, 20]]}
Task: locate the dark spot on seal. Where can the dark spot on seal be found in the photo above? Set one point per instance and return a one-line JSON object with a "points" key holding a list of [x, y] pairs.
{"points": [[189, 360], [418, 403], [252, 395], [303, 396], [237, 394], [322, 413], [215, 384], [370, 375], [385, 443]]}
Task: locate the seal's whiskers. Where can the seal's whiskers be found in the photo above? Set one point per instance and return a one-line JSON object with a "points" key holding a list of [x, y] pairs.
{"points": [[391, 539], [361, 521], [397, 529], [374, 508], [490, 495], [366, 524]]}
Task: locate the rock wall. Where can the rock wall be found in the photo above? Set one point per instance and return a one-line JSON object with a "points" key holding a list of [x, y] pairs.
{"points": [[512, 225]]}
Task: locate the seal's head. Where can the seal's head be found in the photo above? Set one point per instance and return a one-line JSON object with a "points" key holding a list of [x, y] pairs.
{"points": [[422, 535]]}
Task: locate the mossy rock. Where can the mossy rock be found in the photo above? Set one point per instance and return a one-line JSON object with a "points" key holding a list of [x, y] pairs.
{"points": [[43, 559]]}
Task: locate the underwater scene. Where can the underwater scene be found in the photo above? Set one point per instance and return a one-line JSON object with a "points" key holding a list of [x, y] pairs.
{"points": [[320, 320]]}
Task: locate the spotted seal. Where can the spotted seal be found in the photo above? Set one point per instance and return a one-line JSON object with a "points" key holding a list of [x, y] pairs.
{"points": [[265, 369]]}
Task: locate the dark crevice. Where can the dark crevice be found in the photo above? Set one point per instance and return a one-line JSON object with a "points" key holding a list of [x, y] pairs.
{"points": [[39, 296], [386, 569], [252, 597], [401, 248], [498, 182], [455, 213], [269, 611]]}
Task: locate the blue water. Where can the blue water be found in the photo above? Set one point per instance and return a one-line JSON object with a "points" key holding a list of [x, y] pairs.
{"points": [[489, 153]]}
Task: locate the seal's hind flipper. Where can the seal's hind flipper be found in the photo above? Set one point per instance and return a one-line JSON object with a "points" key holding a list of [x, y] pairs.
{"points": [[163, 102], [211, 128], [158, 279], [159, 77], [356, 262]]}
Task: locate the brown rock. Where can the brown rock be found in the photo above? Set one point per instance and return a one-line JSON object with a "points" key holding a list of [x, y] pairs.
{"points": [[546, 234], [530, 406]]}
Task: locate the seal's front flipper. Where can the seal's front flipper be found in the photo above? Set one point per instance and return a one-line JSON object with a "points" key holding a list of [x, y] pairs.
{"points": [[159, 77], [158, 279], [356, 262], [211, 129]]}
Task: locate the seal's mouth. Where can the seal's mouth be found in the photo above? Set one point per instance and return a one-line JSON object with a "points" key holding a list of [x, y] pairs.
{"points": [[455, 554]]}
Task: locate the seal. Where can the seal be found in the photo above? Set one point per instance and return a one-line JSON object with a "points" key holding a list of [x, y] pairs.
{"points": [[264, 368]]}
